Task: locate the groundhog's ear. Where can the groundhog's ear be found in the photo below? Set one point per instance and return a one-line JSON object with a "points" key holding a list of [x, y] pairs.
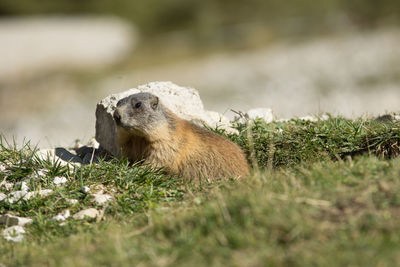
{"points": [[154, 102]]}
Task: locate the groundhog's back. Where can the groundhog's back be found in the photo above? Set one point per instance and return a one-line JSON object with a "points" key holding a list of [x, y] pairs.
{"points": [[206, 154]]}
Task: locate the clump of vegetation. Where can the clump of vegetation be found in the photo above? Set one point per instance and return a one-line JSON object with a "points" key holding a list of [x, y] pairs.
{"points": [[327, 193], [285, 144]]}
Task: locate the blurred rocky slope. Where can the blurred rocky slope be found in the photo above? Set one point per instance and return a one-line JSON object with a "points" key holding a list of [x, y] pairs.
{"points": [[32, 45]]}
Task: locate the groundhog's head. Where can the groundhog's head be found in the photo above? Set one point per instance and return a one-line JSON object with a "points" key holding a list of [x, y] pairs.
{"points": [[141, 114]]}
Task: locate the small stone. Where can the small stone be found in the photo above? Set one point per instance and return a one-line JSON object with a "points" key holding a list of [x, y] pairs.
{"points": [[323, 117], [14, 233], [309, 118], [23, 186], [2, 167], [261, 113], [197, 201], [45, 192], [62, 216], [72, 201], [101, 199], [2, 196], [58, 181], [217, 120], [42, 172], [45, 154], [17, 195], [93, 143], [91, 213], [85, 189], [11, 220]]}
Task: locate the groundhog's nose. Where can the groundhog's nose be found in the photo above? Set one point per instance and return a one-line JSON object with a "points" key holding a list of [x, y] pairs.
{"points": [[117, 117]]}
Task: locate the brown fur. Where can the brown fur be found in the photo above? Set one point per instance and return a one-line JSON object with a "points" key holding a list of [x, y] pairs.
{"points": [[185, 149]]}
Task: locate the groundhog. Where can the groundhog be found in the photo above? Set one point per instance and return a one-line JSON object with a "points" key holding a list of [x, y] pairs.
{"points": [[149, 132]]}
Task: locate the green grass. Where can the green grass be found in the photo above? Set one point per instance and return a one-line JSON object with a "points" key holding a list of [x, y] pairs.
{"points": [[285, 144], [326, 193]]}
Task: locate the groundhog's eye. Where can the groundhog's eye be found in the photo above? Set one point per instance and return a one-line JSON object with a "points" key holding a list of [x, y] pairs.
{"points": [[138, 105]]}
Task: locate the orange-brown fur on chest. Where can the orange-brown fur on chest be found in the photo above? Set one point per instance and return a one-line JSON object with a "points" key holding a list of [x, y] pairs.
{"points": [[185, 149]]}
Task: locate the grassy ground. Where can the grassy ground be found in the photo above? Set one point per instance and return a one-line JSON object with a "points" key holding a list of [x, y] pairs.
{"points": [[322, 193]]}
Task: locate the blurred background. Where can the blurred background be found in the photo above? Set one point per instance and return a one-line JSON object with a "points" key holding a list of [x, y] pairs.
{"points": [[301, 57]]}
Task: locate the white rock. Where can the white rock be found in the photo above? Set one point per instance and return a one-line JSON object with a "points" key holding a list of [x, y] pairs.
{"points": [[17, 195], [217, 117], [309, 118], [261, 113], [76, 42], [85, 189], [62, 216], [2, 196], [45, 154], [72, 201], [42, 172], [93, 143], [44, 192], [183, 101], [23, 186], [324, 117], [58, 180], [314, 118], [218, 120], [2, 167], [91, 213], [14, 233], [101, 199], [11, 220]]}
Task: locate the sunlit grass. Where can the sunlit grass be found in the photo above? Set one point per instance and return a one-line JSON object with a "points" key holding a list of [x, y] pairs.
{"points": [[327, 193]]}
